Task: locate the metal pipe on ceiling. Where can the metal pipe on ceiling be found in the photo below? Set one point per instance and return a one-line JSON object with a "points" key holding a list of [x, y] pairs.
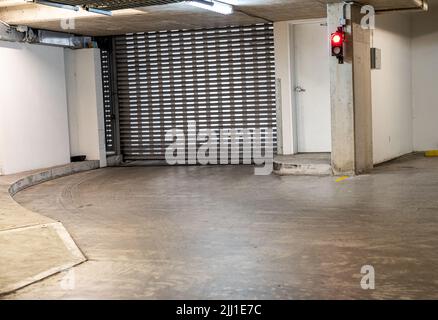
{"points": [[57, 5], [51, 38], [423, 5]]}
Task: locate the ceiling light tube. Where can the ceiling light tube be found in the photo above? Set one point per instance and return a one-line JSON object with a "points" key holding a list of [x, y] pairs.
{"points": [[57, 5], [99, 11], [212, 5]]}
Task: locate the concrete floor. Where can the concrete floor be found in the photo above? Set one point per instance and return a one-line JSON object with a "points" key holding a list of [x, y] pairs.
{"points": [[223, 233]]}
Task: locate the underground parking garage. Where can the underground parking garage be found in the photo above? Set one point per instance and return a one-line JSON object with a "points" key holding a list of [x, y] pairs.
{"points": [[218, 150]]}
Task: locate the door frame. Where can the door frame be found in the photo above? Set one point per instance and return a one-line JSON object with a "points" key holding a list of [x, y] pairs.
{"points": [[294, 94], [287, 134]]}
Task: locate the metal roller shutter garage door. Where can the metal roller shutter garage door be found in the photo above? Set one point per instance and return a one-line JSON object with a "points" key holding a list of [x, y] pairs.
{"points": [[221, 78]]}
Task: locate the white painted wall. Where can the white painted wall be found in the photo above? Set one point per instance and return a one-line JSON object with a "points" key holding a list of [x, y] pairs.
{"points": [[425, 78], [391, 88], [33, 108], [85, 104]]}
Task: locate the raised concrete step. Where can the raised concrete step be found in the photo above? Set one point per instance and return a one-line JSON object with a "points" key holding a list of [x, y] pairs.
{"points": [[33, 247], [313, 164]]}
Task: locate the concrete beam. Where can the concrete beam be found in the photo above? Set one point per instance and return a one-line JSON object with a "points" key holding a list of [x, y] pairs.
{"points": [[166, 17], [177, 16], [351, 96]]}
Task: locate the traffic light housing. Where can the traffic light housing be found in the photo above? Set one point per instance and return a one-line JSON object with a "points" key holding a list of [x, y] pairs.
{"points": [[337, 40]]}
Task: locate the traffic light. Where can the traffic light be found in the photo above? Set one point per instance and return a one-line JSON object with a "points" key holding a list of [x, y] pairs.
{"points": [[337, 40]]}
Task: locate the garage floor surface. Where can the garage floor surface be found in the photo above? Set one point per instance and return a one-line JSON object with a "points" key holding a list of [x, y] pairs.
{"points": [[223, 233]]}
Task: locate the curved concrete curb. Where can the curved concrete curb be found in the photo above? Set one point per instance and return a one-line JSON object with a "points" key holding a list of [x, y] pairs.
{"points": [[33, 247]]}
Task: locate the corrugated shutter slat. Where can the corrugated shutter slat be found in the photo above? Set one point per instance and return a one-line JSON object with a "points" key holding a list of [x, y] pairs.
{"points": [[221, 78]]}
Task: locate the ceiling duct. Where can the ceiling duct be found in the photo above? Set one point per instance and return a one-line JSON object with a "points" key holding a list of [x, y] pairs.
{"points": [[50, 38], [111, 5], [60, 39], [8, 33]]}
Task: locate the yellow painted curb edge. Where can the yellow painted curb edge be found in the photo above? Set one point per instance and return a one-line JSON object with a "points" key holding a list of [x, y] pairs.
{"points": [[431, 153]]}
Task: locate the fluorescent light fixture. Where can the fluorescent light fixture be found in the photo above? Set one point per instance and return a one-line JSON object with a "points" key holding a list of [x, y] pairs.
{"points": [[232, 2], [99, 11], [212, 5], [71, 7], [57, 5]]}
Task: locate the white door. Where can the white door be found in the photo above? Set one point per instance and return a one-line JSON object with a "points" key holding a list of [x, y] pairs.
{"points": [[312, 87]]}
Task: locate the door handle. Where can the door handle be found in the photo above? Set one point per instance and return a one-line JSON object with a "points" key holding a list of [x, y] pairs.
{"points": [[299, 89]]}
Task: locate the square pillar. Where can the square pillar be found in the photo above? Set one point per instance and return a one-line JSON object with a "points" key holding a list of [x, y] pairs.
{"points": [[85, 104], [351, 104]]}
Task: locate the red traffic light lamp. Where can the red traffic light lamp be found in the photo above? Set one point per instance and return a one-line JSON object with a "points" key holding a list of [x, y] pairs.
{"points": [[337, 40]]}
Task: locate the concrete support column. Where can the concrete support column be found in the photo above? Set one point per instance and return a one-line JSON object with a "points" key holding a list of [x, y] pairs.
{"points": [[85, 104], [351, 105]]}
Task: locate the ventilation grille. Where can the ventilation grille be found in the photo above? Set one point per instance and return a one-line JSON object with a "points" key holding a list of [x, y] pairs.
{"points": [[118, 4], [221, 78]]}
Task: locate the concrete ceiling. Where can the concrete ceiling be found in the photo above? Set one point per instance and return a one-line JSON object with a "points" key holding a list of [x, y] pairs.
{"points": [[173, 16]]}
